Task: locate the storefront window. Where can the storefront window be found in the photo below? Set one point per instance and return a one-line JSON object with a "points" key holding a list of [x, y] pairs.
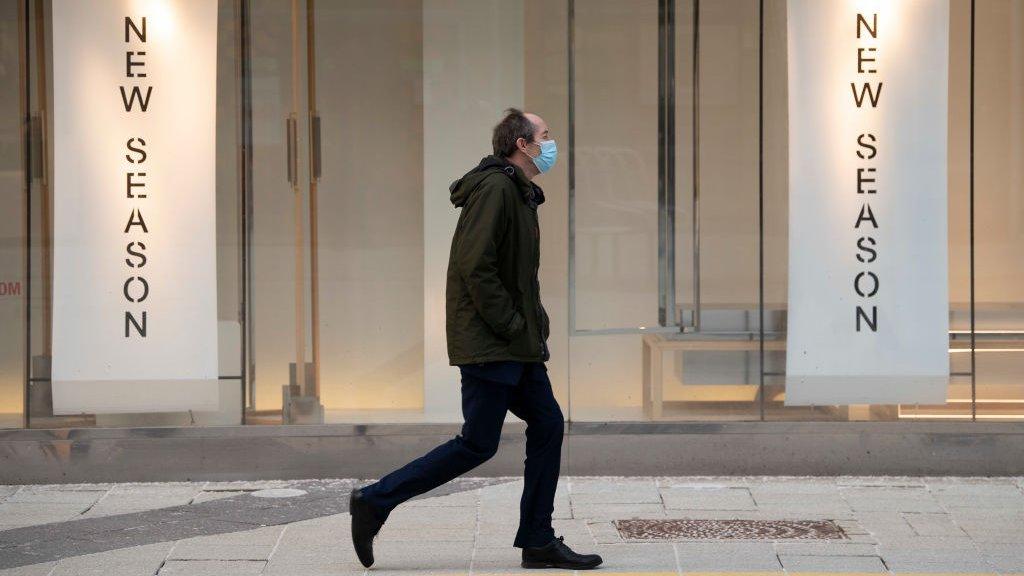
{"points": [[999, 210], [665, 238], [51, 260]]}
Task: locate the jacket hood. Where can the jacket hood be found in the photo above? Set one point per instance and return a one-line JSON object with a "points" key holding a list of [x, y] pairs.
{"points": [[462, 188]]}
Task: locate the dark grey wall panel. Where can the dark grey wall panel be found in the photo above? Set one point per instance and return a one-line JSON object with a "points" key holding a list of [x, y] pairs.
{"points": [[630, 448]]}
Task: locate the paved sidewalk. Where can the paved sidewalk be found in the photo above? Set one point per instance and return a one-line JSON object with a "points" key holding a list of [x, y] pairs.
{"points": [[664, 525]]}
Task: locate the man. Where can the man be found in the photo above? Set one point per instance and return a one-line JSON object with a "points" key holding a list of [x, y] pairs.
{"points": [[497, 333]]}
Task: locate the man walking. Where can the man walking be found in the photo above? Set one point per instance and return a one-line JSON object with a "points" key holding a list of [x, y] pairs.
{"points": [[497, 334]]}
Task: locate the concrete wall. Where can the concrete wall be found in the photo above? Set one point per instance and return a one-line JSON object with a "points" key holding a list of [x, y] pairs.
{"points": [[628, 448]]}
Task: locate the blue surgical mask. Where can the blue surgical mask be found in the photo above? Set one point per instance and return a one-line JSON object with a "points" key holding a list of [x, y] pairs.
{"points": [[548, 154]]}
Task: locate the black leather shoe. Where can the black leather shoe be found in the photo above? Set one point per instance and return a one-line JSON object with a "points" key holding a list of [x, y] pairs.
{"points": [[556, 554], [365, 526]]}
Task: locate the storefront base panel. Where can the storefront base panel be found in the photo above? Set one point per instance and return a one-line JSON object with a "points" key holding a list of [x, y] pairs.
{"points": [[590, 449]]}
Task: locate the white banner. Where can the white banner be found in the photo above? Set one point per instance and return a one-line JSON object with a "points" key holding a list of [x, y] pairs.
{"points": [[134, 291], [868, 274]]}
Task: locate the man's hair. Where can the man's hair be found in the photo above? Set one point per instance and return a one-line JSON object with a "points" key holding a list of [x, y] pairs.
{"points": [[513, 126]]}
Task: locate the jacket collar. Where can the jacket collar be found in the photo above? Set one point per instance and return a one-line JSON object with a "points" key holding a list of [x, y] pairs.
{"points": [[532, 194]]}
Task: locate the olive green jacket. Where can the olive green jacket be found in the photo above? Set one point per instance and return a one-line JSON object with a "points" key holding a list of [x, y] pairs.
{"points": [[492, 298]]}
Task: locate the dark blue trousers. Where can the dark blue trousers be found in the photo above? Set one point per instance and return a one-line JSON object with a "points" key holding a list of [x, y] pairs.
{"points": [[484, 404]]}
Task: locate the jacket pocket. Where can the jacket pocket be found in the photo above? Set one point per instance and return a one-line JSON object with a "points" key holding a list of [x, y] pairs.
{"points": [[516, 326]]}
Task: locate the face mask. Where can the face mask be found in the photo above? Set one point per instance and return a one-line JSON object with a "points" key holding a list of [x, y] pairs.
{"points": [[548, 154]]}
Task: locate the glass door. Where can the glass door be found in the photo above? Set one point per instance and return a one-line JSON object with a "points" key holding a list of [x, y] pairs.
{"points": [[368, 249], [280, 163]]}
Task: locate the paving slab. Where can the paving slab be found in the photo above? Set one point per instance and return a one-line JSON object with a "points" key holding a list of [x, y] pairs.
{"points": [[711, 498], [49, 495], [339, 554], [727, 557], [637, 557], [419, 556], [841, 564], [933, 524], [22, 514], [6, 490], [899, 559], [250, 485], [1006, 563], [43, 569], [313, 569], [822, 500], [209, 496], [793, 486], [825, 548], [497, 559], [255, 544], [468, 499], [137, 560], [616, 511], [592, 491], [212, 568], [872, 503]]}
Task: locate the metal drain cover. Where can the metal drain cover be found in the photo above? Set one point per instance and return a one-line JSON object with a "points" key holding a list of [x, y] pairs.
{"points": [[709, 529]]}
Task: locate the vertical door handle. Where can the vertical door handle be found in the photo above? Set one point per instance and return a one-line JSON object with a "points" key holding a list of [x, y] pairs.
{"points": [[37, 136], [314, 130], [292, 135]]}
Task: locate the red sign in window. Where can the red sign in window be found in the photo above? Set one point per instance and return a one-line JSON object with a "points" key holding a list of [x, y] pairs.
{"points": [[10, 288]]}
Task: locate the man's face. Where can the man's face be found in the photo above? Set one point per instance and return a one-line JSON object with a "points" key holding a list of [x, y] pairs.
{"points": [[532, 149]]}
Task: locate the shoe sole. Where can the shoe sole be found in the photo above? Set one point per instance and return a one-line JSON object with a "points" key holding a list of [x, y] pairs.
{"points": [[562, 566]]}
